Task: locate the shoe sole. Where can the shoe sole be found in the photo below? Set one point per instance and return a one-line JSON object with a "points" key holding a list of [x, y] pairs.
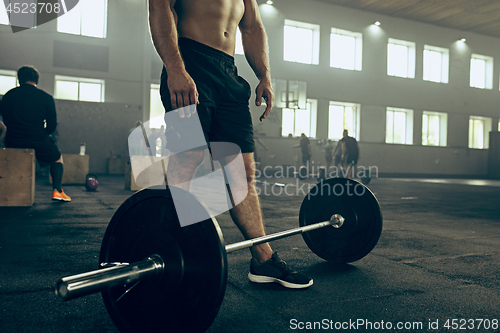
{"points": [[268, 279], [61, 199]]}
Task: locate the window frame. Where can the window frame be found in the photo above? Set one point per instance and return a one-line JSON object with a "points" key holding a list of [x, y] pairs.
{"points": [[445, 63], [411, 51], [81, 20], [487, 126], [408, 135], [9, 73], [356, 120], [488, 71], [443, 128], [79, 80], [315, 28], [312, 106], [358, 48]]}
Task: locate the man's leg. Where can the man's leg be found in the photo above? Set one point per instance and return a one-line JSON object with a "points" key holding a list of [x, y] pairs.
{"points": [[56, 172], [247, 214], [182, 168]]}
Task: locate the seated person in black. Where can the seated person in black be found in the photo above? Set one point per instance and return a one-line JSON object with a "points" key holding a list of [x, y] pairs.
{"points": [[30, 116]]}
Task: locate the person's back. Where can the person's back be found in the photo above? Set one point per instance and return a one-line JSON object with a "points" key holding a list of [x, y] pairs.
{"points": [[30, 116], [351, 145], [26, 111]]}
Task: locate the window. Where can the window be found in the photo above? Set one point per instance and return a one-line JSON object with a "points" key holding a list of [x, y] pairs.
{"points": [[4, 18], [399, 126], [343, 116], [8, 80], [239, 43], [401, 58], [481, 72], [479, 129], [434, 128], [79, 89], [436, 64], [87, 18], [499, 125], [346, 49], [156, 110], [297, 121], [301, 42]]}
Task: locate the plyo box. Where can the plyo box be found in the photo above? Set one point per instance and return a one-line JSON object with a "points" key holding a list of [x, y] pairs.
{"points": [[17, 177], [150, 169], [76, 167]]}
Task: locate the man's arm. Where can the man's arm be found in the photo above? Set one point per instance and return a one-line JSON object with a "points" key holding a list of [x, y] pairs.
{"points": [[163, 26], [50, 116], [254, 41]]}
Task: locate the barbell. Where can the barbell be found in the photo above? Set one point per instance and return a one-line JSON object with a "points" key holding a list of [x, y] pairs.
{"points": [[157, 276]]}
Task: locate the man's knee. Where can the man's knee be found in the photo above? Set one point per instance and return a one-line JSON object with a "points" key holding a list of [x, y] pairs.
{"points": [[193, 158]]}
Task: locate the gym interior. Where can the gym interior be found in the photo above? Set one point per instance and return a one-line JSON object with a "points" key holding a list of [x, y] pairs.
{"points": [[418, 89]]}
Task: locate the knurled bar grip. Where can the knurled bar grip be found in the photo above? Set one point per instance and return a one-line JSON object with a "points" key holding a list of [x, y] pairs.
{"points": [[102, 279]]}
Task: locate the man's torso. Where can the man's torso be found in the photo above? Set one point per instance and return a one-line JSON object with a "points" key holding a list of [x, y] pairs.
{"points": [[350, 145], [211, 22]]}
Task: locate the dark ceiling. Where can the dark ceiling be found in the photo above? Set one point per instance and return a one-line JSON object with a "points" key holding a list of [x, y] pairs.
{"points": [[478, 16]]}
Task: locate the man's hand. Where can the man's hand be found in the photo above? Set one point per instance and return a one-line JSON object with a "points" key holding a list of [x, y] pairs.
{"points": [[183, 93], [264, 90]]}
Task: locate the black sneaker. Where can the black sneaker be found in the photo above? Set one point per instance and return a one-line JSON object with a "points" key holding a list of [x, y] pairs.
{"points": [[275, 270]]}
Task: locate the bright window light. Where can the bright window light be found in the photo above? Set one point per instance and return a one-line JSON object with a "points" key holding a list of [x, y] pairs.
{"points": [[436, 64], [87, 18], [401, 58], [8, 80], [434, 128], [79, 89], [239, 43], [297, 121], [399, 126], [343, 116], [156, 109], [301, 42], [346, 49], [479, 129], [481, 72]]}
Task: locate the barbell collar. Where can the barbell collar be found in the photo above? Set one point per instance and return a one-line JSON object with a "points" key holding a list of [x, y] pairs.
{"points": [[336, 221], [102, 279]]}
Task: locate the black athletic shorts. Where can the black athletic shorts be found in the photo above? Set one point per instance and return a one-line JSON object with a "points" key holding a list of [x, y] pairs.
{"points": [[46, 150], [223, 106]]}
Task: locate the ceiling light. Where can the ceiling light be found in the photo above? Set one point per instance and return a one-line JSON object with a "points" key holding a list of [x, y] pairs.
{"points": [[377, 23], [269, 2], [463, 40]]}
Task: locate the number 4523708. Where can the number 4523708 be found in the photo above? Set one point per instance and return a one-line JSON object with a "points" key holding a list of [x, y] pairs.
{"points": [[32, 8]]}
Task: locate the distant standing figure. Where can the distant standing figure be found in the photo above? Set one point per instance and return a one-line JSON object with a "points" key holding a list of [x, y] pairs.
{"points": [[305, 147], [30, 115], [350, 152]]}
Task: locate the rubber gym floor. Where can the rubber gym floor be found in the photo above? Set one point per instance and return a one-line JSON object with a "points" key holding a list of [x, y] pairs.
{"points": [[435, 269]]}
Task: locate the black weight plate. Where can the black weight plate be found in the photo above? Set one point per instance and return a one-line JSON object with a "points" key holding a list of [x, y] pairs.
{"points": [[188, 295], [362, 226]]}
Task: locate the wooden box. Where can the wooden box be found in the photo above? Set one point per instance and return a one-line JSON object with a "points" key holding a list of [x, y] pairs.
{"points": [[17, 177], [76, 167], [151, 172]]}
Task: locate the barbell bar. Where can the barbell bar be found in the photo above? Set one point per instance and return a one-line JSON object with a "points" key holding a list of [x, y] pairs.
{"points": [[99, 280], [179, 274]]}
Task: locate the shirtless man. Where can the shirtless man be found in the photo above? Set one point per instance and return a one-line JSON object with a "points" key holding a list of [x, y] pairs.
{"points": [[196, 41]]}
